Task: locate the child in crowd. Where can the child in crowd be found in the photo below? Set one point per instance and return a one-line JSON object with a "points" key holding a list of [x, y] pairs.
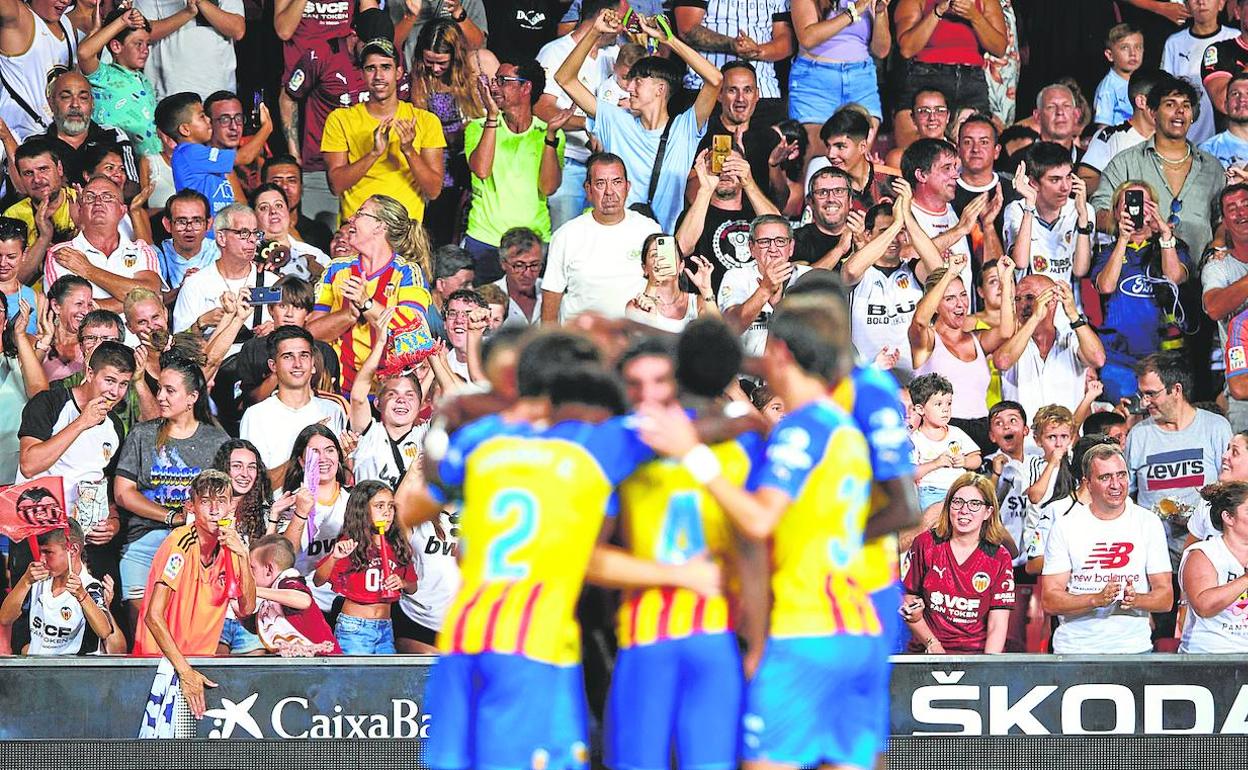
{"points": [[354, 569], [1124, 48], [196, 165], [287, 618], [1054, 428], [616, 88], [68, 607], [941, 450], [1014, 467]]}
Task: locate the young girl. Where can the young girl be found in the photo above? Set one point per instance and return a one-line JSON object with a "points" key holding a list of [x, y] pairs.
{"points": [[253, 494], [326, 509], [355, 570]]}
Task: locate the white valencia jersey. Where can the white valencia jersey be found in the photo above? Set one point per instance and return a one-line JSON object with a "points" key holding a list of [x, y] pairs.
{"points": [[1052, 244], [881, 306], [1228, 630], [57, 623]]}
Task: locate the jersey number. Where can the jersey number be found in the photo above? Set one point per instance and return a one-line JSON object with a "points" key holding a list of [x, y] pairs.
{"points": [[854, 494], [521, 506], [372, 579], [682, 537]]}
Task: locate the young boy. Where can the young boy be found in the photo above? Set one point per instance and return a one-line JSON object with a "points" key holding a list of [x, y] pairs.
{"points": [[942, 452], [196, 166], [68, 607], [284, 602], [1124, 48], [1014, 466], [1054, 427]]}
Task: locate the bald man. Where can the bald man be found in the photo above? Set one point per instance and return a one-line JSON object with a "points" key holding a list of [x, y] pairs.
{"points": [[1041, 365], [74, 135]]}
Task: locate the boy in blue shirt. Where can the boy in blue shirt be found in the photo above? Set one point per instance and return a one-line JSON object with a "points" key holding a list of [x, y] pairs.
{"points": [[196, 166], [1124, 48]]}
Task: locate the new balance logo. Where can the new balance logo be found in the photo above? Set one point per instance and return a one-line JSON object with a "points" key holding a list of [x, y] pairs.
{"points": [[1109, 556]]}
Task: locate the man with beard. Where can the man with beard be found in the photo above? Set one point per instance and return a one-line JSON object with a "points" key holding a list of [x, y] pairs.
{"points": [[845, 134], [383, 146], [1224, 59], [225, 110], [827, 239], [1231, 146], [100, 253], [46, 209], [1187, 179], [74, 135], [34, 38], [716, 225]]}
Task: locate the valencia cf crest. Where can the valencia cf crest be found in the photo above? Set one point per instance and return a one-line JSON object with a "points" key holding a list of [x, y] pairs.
{"points": [[1039, 264], [902, 281], [66, 614], [980, 582], [132, 260]]}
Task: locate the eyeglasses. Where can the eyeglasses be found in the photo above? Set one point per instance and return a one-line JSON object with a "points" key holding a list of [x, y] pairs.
{"points": [[226, 120], [91, 339], [974, 506], [363, 213], [525, 267], [90, 197], [927, 112], [1176, 206], [1151, 394], [828, 192], [451, 314], [767, 243], [183, 223], [246, 235], [503, 80]]}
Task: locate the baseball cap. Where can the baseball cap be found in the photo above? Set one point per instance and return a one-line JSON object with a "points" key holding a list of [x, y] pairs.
{"points": [[380, 46]]}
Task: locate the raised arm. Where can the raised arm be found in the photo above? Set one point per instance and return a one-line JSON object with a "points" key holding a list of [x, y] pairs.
{"points": [[568, 75], [231, 25], [91, 46], [710, 74]]}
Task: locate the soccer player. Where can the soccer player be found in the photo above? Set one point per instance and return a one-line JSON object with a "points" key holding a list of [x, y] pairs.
{"points": [[811, 497]]}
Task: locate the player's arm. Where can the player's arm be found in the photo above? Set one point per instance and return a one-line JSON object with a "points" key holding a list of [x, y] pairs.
{"points": [[191, 681], [612, 567], [900, 511], [753, 569], [414, 504]]}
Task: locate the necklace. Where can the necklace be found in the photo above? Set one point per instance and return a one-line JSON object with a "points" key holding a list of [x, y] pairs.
{"points": [[1178, 162]]}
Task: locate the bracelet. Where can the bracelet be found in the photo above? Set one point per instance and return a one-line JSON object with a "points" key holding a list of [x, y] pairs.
{"points": [[490, 123], [702, 464], [937, 14], [297, 516], [708, 299], [1087, 229], [928, 644], [553, 142], [1028, 209], [852, 10], [1167, 243], [169, 519]]}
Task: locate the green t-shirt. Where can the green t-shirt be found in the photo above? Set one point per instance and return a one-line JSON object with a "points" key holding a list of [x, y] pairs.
{"points": [[510, 197], [126, 99]]}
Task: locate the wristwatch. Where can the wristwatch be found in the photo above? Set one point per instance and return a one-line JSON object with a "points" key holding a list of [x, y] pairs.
{"points": [[462, 17], [552, 142], [366, 306], [1087, 229], [1082, 320]]}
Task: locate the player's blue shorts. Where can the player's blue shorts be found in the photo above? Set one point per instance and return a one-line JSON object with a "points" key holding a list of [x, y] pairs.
{"points": [[811, 700], [503, 712], [896, 634], [685, 692]]}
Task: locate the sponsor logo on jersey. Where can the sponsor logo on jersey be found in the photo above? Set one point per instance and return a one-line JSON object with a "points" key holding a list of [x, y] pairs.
{"points": [[1235, 358], [1211, 56], [174, 565], [1109, 556], [296, 80]]}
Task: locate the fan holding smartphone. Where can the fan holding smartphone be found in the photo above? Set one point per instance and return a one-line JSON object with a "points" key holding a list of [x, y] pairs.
{"points": [[665, 302]]}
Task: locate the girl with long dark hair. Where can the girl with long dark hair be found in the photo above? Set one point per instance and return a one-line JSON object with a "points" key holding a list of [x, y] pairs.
{"points": [[316, 519]]}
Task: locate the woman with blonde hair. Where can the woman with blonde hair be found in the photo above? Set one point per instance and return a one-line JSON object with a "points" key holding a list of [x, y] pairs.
{"points": [[390, 270], [958, 574]]}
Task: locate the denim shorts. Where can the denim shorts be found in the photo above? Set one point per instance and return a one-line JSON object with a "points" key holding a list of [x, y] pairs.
{"points": [[930, 495], [819, 88], [239, 639], [962, 85], [364, 636], [136, 562]]}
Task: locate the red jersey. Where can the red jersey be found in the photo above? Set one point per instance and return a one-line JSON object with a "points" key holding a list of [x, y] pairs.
{"points": [[310, 622], [958, 597], [323, 20], [364, 586]]}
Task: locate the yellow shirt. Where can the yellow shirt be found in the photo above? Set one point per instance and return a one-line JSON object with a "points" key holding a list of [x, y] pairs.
{"points": [[62, 223], [350, 130]]}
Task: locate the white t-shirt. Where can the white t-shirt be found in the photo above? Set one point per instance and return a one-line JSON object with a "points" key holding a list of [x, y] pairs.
{"points": [[880, 309], [1035, 381], [201, 292], [1040, 523], [128, 260], [1227, 631], [514, 312], [752, 17], [736, 287], [1052, 244], [57, 623], [1110, 141], [934, 225], [1012, 498], [927, 449], [597, 68], [315, 546], [273, 427], [597, 267], [1095, 552], [437, 569], [374, 457], [194, 57], [1181, 57]]}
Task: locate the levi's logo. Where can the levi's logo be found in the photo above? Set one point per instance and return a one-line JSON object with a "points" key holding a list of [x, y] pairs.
{"points": [[1109, 556]]}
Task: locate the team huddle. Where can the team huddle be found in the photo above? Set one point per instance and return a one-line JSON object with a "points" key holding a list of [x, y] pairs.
{"points": [[726, 535]]}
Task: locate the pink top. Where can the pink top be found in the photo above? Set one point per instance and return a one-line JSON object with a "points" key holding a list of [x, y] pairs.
{"points": [[970, 378], [952, 42]]}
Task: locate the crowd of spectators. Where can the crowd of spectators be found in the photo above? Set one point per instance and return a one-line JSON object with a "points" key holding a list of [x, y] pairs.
{"points": [[230, 230]]}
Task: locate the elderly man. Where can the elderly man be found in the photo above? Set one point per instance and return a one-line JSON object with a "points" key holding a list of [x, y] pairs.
{"points": [[749, 294], [199, 301], [1105, 565], [74, 135], [1040, 365], [1057, 116], [1187, 180], [100, 253], [520, 255], [595, 260]]}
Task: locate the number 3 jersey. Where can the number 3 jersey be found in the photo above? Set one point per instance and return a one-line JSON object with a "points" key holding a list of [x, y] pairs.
{"points": [[666, 516], [820, 461], [534, 504]]}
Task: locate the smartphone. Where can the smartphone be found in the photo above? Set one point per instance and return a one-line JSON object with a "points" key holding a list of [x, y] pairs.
{"points": [[265, 295], [251, 121], [721, 146], [1134, 404], [665, 254], [1135, 207]]}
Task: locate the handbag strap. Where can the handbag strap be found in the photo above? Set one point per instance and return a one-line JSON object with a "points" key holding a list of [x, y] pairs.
{"points": [[658, 163]]}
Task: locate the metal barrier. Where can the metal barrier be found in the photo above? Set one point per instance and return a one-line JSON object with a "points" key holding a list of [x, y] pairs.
{"points": [[1009, 711]]}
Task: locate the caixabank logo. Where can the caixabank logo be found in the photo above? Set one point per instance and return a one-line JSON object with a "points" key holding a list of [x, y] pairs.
{"points": [[295, 716]]}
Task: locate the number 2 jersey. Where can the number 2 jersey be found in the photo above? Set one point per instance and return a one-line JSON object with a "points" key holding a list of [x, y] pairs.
{"points": [[534, 503], [666, 516], [819, 460]]}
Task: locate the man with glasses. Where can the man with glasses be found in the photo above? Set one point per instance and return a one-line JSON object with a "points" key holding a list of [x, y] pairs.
{"points": [[187, 250], [516, 162], [749, 294], [520, 256], [199, 302], [97, 327], [1187, 179], [225, 110], [100, 253], [826, 239]]}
